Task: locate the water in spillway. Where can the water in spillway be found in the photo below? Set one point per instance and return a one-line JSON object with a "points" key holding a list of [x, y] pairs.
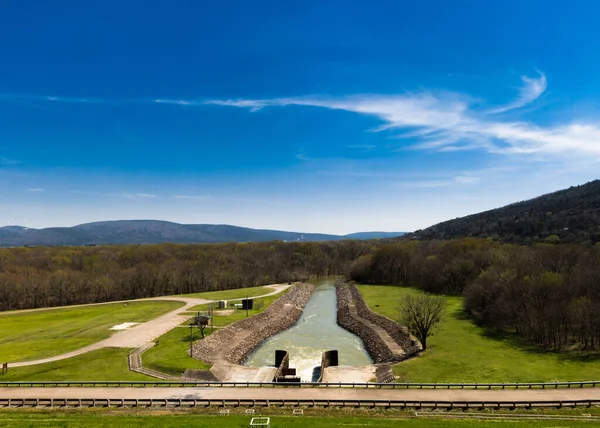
{"points": [[316, 331]]}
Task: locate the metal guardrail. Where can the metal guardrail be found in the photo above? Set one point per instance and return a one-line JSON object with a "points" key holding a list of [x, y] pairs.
{"points": [[404, 385], [191, 402]]}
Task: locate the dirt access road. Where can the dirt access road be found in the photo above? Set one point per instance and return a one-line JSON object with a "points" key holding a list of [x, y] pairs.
{"points": [[146, 332], [228, 393]]}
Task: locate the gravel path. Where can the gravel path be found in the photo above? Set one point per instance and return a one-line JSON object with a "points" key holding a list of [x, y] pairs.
{"points": [[146, 332]]}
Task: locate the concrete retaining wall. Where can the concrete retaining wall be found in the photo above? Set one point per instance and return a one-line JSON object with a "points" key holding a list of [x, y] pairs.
{"points": [[236, 342], [328, 359], [282, 361]]}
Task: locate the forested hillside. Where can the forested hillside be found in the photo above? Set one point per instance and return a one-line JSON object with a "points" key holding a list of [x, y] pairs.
{"points": [[571, 215], [123, 232], [54, 276], [548, 294]]}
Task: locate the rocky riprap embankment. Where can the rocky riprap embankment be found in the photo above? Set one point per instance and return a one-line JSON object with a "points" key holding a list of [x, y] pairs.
{"points": [[385, 340], [236, 342]]}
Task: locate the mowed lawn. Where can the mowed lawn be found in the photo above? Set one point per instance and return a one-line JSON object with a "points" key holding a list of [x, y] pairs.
{"points": [[461, 351], [45, 333], [238, 293], [102, 364], [63, 418], [171, 354]]}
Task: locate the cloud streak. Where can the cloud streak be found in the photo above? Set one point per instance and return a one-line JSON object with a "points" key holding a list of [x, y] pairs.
{"points": [[530, 91], [449, 122], [8, 162], [192, 197], [53, 99], [460, 180], [140, 195], [434, 121]]}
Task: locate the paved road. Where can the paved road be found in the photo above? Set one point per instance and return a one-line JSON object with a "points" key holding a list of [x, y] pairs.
{"points": [[142, 334], [460, 395]]}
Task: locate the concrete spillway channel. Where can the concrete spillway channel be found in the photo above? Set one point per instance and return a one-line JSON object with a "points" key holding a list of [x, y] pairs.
{"points": [[304, 323], [315, 332]]}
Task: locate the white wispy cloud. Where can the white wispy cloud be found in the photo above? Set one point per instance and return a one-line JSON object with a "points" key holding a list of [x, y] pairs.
{"points": [[177, 102], [140, 195], [36, 189], [530, 91], [6, 161], [53, 99], [362, 147], [436, 121], [460, 180], [189, 197], [449, 122]]}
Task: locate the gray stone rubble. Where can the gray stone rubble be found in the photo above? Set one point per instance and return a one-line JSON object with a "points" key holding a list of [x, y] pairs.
{"points": [[236, 342], [350, 301]]}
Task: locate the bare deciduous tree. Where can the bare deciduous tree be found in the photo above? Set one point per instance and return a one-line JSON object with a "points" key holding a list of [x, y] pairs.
{"points": [[420, 314]]}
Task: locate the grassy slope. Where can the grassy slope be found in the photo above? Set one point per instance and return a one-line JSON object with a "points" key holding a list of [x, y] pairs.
{"points": [[55, 331], [238, 293], [460, 351], [103, 364], [33, 335], [171, 355], [63, 418]]}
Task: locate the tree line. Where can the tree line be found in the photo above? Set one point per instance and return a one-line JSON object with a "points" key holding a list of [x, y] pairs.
{"points": [[547, 294], [56, 276]]}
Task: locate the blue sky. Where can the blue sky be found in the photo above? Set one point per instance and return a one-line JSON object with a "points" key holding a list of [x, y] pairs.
{"points": [[322, 116]]}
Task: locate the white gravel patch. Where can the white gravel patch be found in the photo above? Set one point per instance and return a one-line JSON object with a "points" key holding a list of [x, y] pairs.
{"points": [[124, 326]]}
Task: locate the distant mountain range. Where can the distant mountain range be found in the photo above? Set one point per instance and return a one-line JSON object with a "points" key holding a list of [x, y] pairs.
{"points": [[156, 232], [570, 215]]}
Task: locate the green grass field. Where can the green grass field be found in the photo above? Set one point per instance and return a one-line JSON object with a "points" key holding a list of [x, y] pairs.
{"points": [[209, 418], [39, 334], [103, 364], [461, 351], [171, 355], [238, 293]]}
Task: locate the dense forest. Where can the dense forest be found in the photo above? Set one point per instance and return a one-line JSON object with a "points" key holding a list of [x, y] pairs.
{"points": [[55, 276], [548, 294], [571, 215]]}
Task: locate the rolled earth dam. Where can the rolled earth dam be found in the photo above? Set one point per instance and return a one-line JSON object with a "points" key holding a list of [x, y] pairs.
{"points": [[315, 332]]}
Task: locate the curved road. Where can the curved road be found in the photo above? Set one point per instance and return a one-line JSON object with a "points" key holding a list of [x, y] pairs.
{"points": [[143, 333]]}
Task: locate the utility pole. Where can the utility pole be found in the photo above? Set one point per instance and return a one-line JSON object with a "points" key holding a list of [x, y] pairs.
{"points": [[191, 341]]}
